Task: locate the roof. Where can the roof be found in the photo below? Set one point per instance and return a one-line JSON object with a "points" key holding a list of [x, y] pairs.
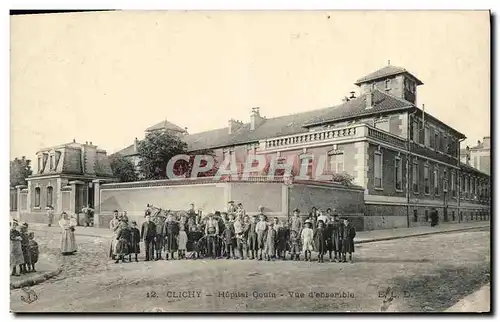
{"points": [[465, 166], [165, 125], [386, 71], [382, 102]]}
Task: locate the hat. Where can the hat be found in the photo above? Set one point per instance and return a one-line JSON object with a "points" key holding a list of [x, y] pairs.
{"points": [[134, 222], [296, 211], [25, 224], [231, 201], [210, 215], [115, 210], [308, 221], [15, 221]]}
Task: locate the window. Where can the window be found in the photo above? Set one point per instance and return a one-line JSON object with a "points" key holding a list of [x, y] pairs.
{"points": [[398, 166], [427, 185], [432, 138], [471, 187], [37, 197], [427, 138], [453, 183], [382, 124], [466, 186], [415, 133], [436, 140], [337, 163], [387, 84], [414, 176], [436, 180], [40, 164], [49, 196], [445, 147], [52, 163], [378, 169], [374, 86], [445, 180]]}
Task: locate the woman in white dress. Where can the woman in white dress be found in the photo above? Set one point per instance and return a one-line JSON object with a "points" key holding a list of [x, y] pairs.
{"points": [[307, 237], [68, 242]]}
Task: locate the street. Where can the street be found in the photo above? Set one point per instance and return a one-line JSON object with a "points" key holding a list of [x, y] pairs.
{"points": [[419, 274]]}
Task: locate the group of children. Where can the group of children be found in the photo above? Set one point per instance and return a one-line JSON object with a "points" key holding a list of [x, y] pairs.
{"points": [[233, 234], [23, 249]]}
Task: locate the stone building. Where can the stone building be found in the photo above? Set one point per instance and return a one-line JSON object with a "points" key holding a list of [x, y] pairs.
{"points": [[478, 156], [66, 179], [406, 160]]}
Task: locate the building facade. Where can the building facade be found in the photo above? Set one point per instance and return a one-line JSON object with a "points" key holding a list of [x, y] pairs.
{"points": [[478, 156], [406, 160], [66, 180]]}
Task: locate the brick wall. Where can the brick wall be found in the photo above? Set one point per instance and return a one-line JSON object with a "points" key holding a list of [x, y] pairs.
{"points": [[43, 184]]}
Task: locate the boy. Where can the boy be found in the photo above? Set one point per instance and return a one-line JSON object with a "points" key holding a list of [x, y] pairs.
{"points": [[135, 238], [25, 247], [281, 241], [320, 240], [252, 238], [195, 236], [33, 249], [270, 242], [212, 231], [295, 245], [260, 230], [229, 237], [307, 237], [239, 231], [334, 239]]}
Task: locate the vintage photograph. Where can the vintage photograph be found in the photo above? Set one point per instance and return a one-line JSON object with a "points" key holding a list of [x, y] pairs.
{"points": [[250, 161]]}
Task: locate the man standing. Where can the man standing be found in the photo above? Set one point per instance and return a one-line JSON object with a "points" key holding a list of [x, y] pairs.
{"points": [[231, 209], [296, 222], [191, 214], [148, 233], [348, 234], [434, 217], [160, 236]]}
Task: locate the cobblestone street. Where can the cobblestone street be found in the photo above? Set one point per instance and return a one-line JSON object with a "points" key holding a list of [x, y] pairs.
{"points": [[429, 273]]}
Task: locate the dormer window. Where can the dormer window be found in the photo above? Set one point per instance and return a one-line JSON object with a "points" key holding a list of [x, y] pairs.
{"points": [[52, 162], [387, 84], [40, 164], [374, 86]]}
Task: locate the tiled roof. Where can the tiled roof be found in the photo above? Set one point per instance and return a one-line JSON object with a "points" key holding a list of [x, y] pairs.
{"points": [[385, 72], [288, 124], [357, 107], [165, 125]]}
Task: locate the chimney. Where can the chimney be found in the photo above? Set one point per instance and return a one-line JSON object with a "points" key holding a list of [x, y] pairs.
{"points": [[486, 142], [255, 118], [90, 142], [74, 141], [232, 126], [136, 141], [369, 100], [352, 95]]}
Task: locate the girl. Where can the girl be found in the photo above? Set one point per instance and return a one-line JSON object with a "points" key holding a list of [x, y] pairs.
{"points": [[122, 243], [16, 252], [68, 242], [33, 249], [270, 242], [135, 238], [307, 237], [182, 241]]}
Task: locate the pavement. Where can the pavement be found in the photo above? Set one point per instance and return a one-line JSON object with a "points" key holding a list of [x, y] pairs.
{"points": [[361, 236], [46, 268], [477, 302]]}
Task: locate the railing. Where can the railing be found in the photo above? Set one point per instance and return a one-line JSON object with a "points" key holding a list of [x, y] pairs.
{"points": [[386, 137], [315, 136]]}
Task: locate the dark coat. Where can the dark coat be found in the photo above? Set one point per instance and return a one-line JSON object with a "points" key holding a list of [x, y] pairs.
{"points": [[171, 231], [34, 252], [334, 236], [25, 243], [229, 233], [320, 240], [282, 238], [270, 238], [124, 237], [348, 234], [148, 231], [135, 238]]}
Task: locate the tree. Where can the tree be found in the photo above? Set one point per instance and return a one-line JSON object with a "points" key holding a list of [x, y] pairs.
{"points": [[156, 150], [123, 169], [20, 169]]}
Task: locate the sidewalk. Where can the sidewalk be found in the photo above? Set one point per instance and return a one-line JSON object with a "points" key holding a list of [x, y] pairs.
{"points": [[477, 302], [361, 236], [45, 268]]}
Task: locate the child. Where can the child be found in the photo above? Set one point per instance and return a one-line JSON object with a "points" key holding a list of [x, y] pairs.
{"points": [[295, 245], [135, 238], [33, 249], [260, 230], [182, 241], [307, 237], [240, 233], [282, 237], [229, 237], [196, 235], [270, 242], [252, 238], [25, 247], [320, 240]]}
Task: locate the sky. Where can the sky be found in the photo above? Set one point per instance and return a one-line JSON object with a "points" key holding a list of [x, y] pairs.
{"points": [[105, 77]]}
